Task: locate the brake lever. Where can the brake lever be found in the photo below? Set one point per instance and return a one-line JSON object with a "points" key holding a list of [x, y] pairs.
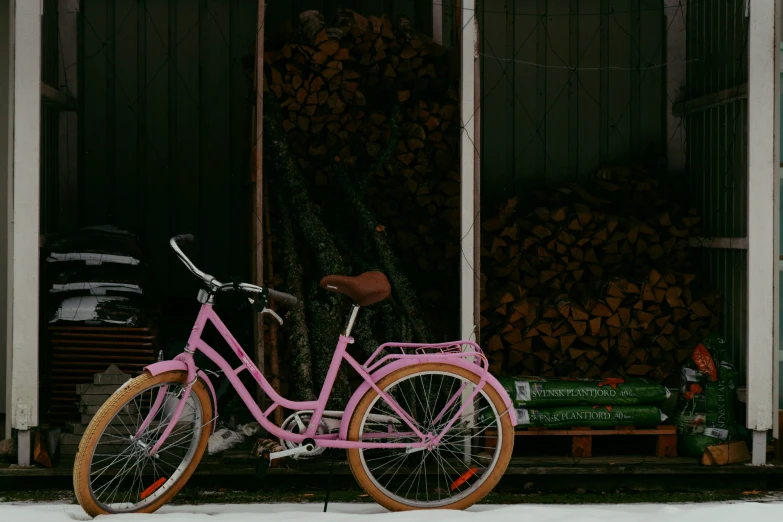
{"points": [[259, 307], [273, 314]]}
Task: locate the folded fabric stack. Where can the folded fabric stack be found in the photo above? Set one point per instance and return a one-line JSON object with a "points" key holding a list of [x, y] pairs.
{"points": [[99, 277], [568, 403]]}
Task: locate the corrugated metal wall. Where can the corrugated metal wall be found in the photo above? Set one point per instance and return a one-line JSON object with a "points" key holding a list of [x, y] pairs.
{"points": [[716, 153], [566, 86], [165, 127], [165, 120]]}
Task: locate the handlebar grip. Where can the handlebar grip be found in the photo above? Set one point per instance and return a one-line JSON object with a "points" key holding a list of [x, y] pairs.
{"points": [[282, 297], [184, 238]]}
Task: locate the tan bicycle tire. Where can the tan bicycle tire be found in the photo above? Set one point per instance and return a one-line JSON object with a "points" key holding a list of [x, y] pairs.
{"points": [[361, 476], [91, 437]]}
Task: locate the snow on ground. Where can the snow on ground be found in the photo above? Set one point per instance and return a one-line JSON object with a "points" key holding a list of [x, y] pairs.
{"points": [[708, 512]]}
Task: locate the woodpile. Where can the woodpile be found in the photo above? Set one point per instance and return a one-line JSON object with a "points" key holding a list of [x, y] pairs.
{"points": [[595, 282], [375, 98]]}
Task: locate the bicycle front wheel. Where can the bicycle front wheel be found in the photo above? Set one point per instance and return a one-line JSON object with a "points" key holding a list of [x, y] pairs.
{"points": [[114, 471], [455, 474]]}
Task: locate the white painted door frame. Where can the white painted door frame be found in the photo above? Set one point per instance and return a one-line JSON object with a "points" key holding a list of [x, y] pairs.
{"points": [[24, 214], [763, 220]]}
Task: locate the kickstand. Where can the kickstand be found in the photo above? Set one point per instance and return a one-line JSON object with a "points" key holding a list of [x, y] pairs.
{"points": [[329, 482]]}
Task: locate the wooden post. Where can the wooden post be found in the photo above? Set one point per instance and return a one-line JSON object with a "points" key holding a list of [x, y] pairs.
{"points": [[666, 445], [258, 199], [582, 445], [763, 216], [24, 219], [469, 55], [68, 176], [5, 186]]}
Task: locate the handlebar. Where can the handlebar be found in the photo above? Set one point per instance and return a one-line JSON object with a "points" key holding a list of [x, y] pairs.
{"points": [[217, 286]]}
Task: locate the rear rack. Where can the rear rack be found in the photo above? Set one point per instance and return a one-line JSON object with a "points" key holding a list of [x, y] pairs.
{"points": [[427, 353]]}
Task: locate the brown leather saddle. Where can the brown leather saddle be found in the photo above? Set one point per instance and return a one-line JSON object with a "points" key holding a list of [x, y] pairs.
{"points": [[365, 289]]}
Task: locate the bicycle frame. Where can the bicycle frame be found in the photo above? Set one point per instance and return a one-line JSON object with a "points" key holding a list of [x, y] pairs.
{"points": [[196, 343]]}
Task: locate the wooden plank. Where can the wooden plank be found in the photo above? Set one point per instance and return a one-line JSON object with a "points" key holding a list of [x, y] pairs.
{"points": [[708, 101], [597, 432], [124, 122], [589, 81], [676, 71], [626, 430], [94, 109], [25, 195], [582, 445], [636, 76], [619, 83], [557, 92], [187, 171], [573, 91], [214, 124], [538, 139], [6, 147], [738, 243], [763, 216], [467, 172], [666, 445], [603, 125], [68, 173], [242, 38], [652, 100], [154, 183], [524, 140], [497, 44]]}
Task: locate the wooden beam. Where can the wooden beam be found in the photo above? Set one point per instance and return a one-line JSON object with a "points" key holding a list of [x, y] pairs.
{"points": [[736, 243], [6, 147], [468, 56], [68, 173], [258, 199], [24, 219], [763, 191], [708, 101], [477, 183], [468, 42]]}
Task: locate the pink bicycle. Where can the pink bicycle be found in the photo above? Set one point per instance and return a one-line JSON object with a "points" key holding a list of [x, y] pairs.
{"points": [[428, 428]]}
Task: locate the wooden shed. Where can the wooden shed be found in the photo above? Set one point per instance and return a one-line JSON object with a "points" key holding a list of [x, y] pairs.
{"points": [[136, 112]]}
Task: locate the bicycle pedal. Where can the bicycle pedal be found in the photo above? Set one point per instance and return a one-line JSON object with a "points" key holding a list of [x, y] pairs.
{"points": [[263, 464]]}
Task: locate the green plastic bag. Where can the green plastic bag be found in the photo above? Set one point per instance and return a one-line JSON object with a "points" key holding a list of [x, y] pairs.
{"points": [[590, 416], [706, 414], [530, 392]]}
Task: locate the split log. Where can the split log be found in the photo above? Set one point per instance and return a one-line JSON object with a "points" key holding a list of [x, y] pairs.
{"points": [[611, 256]]}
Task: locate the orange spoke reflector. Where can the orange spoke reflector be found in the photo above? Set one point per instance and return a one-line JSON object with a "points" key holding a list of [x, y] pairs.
{"points": [[463, 478], [153, 488]]}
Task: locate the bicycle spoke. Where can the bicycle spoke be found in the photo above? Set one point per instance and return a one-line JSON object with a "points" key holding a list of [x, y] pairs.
{"points": [[443, 473], [117, 480]]}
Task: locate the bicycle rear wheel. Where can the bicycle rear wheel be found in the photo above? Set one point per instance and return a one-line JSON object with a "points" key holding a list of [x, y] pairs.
{"points": [[113, 471], [456, 473]]}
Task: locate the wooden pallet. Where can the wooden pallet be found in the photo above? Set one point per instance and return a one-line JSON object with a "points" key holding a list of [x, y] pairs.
{"points": [[582, 438], [76, 353]]}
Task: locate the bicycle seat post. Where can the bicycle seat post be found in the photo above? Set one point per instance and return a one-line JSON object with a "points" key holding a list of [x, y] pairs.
{"points": [[351, 320]]}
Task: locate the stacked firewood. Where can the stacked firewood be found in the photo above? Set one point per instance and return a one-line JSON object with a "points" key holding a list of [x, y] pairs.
{"points": [[376, 99], [596, 281]]}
